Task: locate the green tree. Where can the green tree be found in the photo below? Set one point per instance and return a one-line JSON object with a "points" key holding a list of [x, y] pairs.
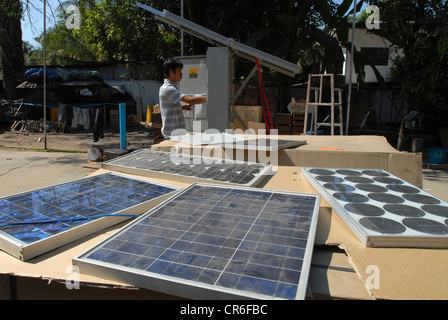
{"points": [[109, 30], [31, 55], [420, 29], [116, 30], [64, 47]]}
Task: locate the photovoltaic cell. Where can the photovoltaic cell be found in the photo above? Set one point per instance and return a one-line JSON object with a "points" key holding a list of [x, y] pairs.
{"points": [[36, 216], [152, 163], [382, 209], [214, 242]]}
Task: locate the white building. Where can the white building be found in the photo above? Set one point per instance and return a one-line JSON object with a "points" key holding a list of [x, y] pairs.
{"points": [[379, 50]]}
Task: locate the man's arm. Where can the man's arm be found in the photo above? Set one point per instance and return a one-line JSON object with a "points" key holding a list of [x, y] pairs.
{"points": [[194, 100]]}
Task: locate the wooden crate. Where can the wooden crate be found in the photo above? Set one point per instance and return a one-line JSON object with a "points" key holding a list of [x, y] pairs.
{"points": [[249, 113], [296, 130], [298, 121], [283, 119], [283, 129], [156, 117], [283, 123]]}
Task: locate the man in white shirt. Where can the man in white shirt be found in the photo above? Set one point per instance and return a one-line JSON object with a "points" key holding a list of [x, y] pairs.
{"points": [[170, 98]]}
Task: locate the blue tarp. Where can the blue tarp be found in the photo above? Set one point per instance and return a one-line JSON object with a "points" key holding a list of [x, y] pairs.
{"points": [[38, 74], [35, 74]]}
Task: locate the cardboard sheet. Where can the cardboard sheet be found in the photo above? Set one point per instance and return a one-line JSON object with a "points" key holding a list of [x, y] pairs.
{"points": [[333, 277], [402, 274]]}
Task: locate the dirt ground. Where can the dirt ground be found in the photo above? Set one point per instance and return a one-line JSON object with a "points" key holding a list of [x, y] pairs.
{"points": [[136, 138]]}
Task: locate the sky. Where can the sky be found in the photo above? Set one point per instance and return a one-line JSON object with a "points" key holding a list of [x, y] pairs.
{"points": [[33, 20]]}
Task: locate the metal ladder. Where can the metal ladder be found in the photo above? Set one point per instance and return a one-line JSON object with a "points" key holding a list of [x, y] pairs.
{"points": [[318, 102]]}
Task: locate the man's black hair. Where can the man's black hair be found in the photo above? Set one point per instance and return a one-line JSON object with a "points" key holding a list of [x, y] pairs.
{"points": [[171, 64]]}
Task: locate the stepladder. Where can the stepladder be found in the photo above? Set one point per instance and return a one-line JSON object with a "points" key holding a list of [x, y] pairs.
{"points": [[322, 96]]}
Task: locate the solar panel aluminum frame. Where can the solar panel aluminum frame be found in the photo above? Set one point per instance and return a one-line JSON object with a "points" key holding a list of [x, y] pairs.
{"points": [[372, 238], [186, 288], [112, 166], [24, 251]]}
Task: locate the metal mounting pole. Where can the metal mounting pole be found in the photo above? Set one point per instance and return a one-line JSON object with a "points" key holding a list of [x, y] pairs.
{"points": [[45, 76], [182, 31], [349, 95], [122, 117]]}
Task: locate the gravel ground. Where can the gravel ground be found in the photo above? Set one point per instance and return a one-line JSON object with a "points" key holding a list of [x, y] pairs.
{"points": [[136, 138]]}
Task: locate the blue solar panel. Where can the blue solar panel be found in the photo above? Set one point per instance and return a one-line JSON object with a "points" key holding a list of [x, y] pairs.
{"points": [[37, 215], [223, 241]]}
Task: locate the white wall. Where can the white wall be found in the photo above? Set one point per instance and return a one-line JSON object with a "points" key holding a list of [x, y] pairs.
{"points": [[364, 39], [148, 90]]}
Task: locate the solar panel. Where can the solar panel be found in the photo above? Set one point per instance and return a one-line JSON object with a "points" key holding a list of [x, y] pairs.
{"points": [[230, 141], [207, 139], [264, 144], [35, 222], [215, 242], [382, 209], [190, 168]]}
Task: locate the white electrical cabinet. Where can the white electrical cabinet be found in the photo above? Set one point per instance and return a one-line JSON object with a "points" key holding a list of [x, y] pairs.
{"points": [[194, 83], [210, 75]]}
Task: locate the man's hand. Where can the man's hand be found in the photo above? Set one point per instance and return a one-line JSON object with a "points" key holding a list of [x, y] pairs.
{"points": [[188, 107]]}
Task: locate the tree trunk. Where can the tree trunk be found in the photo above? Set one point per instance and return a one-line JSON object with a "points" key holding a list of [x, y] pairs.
{"points": [[11, 51]]}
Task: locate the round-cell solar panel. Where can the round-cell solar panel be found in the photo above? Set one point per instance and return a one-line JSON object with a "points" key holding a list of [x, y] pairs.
{"points": [[378, 205]]}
